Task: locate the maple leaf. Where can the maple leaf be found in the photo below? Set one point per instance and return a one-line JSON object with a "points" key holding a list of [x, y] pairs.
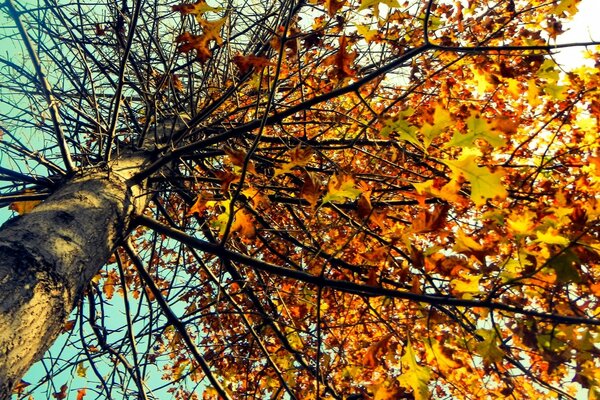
{"points": [[251, 62], [238, 158], [197, 9], [339, 188], [370, 359], [333, 6], [441, 120], [80, 394], [480, 128], [436, 353], [414, 376], [484, 183], [25, 206], [366, 32], [488, 347], [243, 223], [310, 189], [374, 4], [300, 157], [62, 394], [200, 43], [342, 60]]}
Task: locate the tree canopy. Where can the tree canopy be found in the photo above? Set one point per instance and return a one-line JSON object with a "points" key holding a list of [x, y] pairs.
{"points": [[375, 199]]}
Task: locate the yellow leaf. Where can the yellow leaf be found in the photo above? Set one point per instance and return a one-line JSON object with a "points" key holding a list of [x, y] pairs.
{"points": [[484, 183], [441, 120], [466, 286], [552, 237], [414, 376], [366, 32], [479, 128], [374, 4], [488, 347], [464, 243], [435, 355], [341, 187], [81, 370]]}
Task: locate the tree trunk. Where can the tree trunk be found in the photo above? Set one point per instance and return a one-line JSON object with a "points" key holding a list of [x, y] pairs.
{"points": [[48, 256]]}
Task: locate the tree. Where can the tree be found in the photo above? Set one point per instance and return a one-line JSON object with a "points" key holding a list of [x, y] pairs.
{"points": [[321, 199]]}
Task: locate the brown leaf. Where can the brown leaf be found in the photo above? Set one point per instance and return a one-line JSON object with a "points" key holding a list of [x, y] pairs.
{"points": [[247, 63], [342, 60], [370, 359], [310, 190], [62, 394]]}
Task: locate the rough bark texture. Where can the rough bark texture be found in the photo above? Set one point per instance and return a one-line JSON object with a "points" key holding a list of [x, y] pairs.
{"points": [[48, 257]]}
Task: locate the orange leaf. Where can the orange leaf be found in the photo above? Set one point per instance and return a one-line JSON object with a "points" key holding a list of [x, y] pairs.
{"points": [[238, 158], [364, 205], [310, 190], [109, 286], [370, 358], [19, 387], [80, 394], [68, 325], [342, 60], [247, 63], [243, 224], [24, 207], [333, 6]]}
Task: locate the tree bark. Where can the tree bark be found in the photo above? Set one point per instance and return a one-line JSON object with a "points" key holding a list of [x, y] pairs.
{"points": [[48, 256]]}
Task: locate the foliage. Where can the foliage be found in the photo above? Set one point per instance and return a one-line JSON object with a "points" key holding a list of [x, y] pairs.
{"points": [[349, 199]]}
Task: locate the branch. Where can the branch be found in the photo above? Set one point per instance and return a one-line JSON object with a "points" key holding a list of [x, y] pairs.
{"points": [[46, 88], [351, 287]]}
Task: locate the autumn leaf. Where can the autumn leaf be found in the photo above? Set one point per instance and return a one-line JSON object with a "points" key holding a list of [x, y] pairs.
{"points": [[310, 189], [25, 206], [437, 354], [484, 183], [188, 42], [413, 375], [62, 394], [251, 62], [80, 394], [342, 60], [366, 32], [243, 224], [81, 370], [68, 325], [374, 4], [109, 285], [341, 188], [299, 157], [441, 121], [333, 6], [480, 128], [198, 9], [488, 348], [238, 158], [370, 359]]}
